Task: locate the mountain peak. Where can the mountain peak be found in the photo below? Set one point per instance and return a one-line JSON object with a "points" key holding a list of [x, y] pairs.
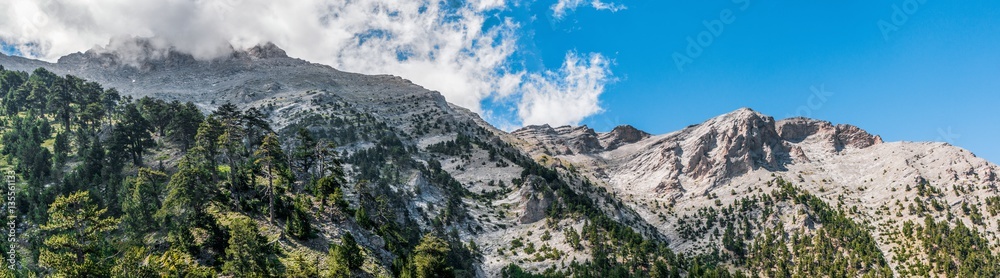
{"points": [[534, 128], [740, 115], [622, 135], [266, 51], [148, 53]]}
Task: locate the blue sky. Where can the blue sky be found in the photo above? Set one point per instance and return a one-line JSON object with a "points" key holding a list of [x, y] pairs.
{"points": [[932, 77], [936, 77]]}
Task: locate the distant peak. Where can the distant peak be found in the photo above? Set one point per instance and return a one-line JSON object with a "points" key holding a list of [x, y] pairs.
{"points": [[628, 133], [132, 48], [266, 51], [140, 53], [147, 53], [623, 134], [738, 119], [743, 113], [541, 126]]}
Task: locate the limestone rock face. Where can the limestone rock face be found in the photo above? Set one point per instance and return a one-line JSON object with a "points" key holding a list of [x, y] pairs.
{"points": [[731, 156], [621, 135], [561, 140], [535, 204], [835, 137], [732, 144]]}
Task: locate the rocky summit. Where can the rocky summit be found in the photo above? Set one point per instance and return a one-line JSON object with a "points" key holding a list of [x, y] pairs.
{"points": [[423, 183]]}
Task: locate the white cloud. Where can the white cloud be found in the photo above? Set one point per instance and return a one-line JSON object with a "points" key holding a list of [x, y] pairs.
{"points": [[441, 45], [567, 96], [560, 8]]}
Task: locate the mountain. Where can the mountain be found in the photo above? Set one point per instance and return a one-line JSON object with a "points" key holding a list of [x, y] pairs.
{"points": [[717, 163], [724, 196]]}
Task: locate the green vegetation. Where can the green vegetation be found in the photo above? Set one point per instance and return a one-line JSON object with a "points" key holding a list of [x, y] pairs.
{"points": [[840, 247], [116, 187], [75, 245], [167, 191], [957, 251]]}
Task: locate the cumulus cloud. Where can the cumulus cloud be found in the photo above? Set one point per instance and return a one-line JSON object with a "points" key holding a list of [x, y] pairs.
{"points": [[559, 9], [444, 46], [566, 96]]}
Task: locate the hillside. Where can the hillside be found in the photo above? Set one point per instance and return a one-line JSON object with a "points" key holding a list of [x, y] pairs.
{"points": [[713, 166], [326, 173]]}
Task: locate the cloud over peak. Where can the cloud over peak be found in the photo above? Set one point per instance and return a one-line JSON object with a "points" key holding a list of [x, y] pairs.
{"points": [[462, 49]]}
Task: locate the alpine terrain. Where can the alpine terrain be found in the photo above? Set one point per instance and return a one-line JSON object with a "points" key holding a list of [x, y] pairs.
{"points": [[134, 160]]}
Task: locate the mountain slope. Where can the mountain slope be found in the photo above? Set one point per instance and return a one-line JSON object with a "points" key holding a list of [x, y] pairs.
{"points": [[716, 163], [422, 165], [715, 197]]}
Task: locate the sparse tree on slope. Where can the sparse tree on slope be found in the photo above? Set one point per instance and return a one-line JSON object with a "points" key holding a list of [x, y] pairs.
{"points": [[272, 162]]}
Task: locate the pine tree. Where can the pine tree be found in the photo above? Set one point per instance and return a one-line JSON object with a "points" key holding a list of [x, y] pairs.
{"points": [[131, 134], [131, 265], [298, 222], [304, 155], [61, 149], [249, 254], [175, 263], [184, 125], [298, 266], [350, 250], [157, 113], [76, 236], [187, 195], [430, 258], [60, 100], [141, 201], [336, 265], [271, 159]]}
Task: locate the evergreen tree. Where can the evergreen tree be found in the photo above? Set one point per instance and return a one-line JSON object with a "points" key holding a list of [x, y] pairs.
{"points": [[249, 254], [304, 155], [350, 251], [184, 125], [141, 201], [187, 195], [430, 258], [299, 266], [131, 135], [157, 113], [336, 265], [175, 263], [76, 235], [298, 224], [61, 149], [60, 101], [329, 161], [271, 159], [132, 265]]}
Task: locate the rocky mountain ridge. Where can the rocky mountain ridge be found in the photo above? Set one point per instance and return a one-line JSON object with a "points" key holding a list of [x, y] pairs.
{"points": [[726, 158], [445, 168]]}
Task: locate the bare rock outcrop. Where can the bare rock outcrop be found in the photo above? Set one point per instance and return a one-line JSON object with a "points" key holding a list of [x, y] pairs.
{"points": [[622, 135], [833, 137], [563, 140], [731, 145]]}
